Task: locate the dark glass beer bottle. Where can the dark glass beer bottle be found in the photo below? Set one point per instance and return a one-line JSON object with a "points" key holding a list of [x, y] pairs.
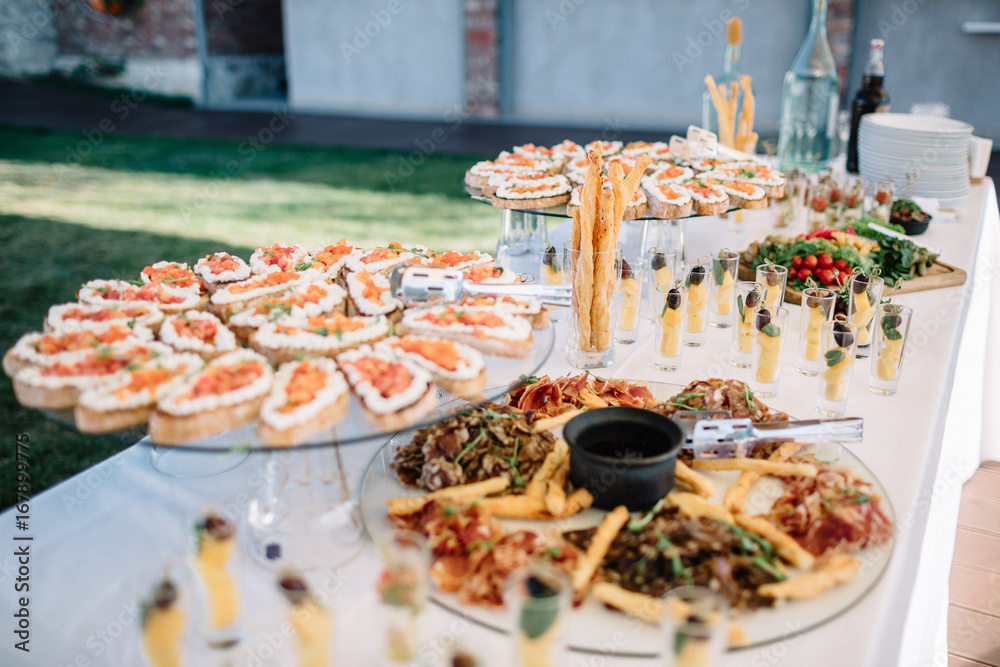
{"points": [[872, 98]]}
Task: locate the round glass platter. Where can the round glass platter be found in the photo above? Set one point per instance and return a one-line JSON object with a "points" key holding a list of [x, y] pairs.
{"points": [[593, 627], [504, 374], [560, 211]]}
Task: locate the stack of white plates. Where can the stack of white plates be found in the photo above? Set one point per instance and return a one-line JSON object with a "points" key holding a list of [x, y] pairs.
{"points": [[935, 149]]}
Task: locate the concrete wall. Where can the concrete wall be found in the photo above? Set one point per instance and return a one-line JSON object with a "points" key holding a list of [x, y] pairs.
{"points": [[380, 57], [929, 59], [642, 62]]}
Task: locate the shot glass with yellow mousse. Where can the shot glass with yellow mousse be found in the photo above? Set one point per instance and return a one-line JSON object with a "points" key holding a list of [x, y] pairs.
{"points": [[311, 621], [630, 290], [774, 278], [671, 304], [818, 304], [840, 340], [552, 273], [164, 621], [217, 563], [724, 266], [749, 298], [402, 588], [538, 598], [662, 269], [765, 363], [890, 339], [866, 295], [696, 325]]}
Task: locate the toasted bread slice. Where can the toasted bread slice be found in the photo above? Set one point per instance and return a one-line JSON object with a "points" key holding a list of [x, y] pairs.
{"points": [[308, 397], [371, 373]]}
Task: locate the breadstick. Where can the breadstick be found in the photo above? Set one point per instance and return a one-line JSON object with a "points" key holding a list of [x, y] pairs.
{"points": [[629, 187], [575, 231], [605, 534], [604, 279], [615, 175], [583, 274], [749, 104], [717, 101], [555, 498], [578, 501], [776, 468], [694, 506], [734, 90], [698, 483], [539, 481], [783, 544], [838, 569]]}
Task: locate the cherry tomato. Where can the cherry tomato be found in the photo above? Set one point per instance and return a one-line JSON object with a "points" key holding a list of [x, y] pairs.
{"points": [[840, 264], [826, 276], [804, 274], [835, 195], [825, 261], [882, 197], [845, 277], [810, 261], [796, 262]]}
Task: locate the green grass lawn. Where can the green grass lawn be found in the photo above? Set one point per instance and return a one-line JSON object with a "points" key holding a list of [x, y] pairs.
{"points": [[132, 201]]}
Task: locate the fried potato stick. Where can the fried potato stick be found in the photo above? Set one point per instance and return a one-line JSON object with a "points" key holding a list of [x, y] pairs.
{"points": [[549, 423], [597, 549], [737, 493], [604, 270], [639, 605], [515, 507], [555, 498], [540, 480], [697, 483], [462, 493], [694, 506], [783, 543], [838, 569], [776, 468], [578, 501]]}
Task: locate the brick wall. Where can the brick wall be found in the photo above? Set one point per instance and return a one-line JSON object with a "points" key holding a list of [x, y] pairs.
{"points": [[151, 28], [482, 57], [243, 27]]}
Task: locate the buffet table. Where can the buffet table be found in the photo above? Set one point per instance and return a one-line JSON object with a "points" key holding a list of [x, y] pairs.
{"points": [[99, 535]]}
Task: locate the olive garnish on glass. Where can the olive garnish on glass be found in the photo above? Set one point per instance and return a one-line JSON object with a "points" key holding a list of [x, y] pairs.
{"points": [[549, 255], [674, 298], [842, 335], [626, 270], [860, 283], [753, 296], [763, 318], [698, 274], [658, 261]]}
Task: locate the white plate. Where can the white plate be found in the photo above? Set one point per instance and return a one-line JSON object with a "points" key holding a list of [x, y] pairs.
{"points": [[592, 626], [905, 123]]}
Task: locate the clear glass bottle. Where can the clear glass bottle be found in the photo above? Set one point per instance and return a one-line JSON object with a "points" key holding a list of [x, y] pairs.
{"points": [[809, 100], [732, 68], [872, 98]]}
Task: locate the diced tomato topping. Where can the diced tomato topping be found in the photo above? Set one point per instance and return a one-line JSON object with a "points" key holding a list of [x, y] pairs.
{"points": [[389, 378], [331, 254], [307, 380], [80, 340], [478, 274], [745, 188], [270, 280], [146, 378], [277, 255], [172, 275], [673, 171], [372, 292], [221, 262], [99, 362], [700, 190], [669, 192], [224, 379], [476, 319], [201, 328], [441, 352]]}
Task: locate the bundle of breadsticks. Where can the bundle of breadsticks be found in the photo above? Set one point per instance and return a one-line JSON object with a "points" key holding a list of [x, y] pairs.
{"points": [[734, 132], [596, 226]]}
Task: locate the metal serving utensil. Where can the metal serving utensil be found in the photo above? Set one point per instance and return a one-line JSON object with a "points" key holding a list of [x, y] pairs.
{"points": [[424, 285], [729, 438]]}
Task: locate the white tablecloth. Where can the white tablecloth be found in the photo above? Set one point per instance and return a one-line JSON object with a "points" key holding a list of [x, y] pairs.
{"points": [[100, 533]]}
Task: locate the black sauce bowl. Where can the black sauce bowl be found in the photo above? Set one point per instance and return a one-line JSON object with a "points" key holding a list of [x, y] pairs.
{"points": [[623, 456]]}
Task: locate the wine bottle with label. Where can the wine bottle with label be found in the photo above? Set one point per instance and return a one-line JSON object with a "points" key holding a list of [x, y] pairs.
{"points": [[872, 98]]}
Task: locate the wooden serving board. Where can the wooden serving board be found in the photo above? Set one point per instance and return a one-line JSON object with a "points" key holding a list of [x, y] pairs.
{"points": [[939, 275]]}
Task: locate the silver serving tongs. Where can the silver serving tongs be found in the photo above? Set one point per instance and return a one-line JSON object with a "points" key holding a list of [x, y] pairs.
{"points": [[730, 438], [416, 285]]}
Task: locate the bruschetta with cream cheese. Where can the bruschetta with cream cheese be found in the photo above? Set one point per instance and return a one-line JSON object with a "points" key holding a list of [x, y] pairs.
{"points": [[393, 393], [307, 397]]}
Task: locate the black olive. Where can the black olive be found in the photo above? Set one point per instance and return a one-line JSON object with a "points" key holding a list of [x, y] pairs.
{"points": [[165, 594], [763, 318], [658, 261], [842, 335], [860, 283], [894, 321], [626, 270], [674, 298], [218, 527], [698, 274], [753, 296], [539, 589], [549, 256]]}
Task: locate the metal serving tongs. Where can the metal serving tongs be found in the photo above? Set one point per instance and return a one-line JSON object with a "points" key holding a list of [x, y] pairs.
{"points": [[415, 285], [731, 438]]}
